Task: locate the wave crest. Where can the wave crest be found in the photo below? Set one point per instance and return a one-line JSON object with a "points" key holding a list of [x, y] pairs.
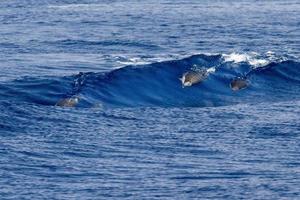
{"points": [[158, 84]]}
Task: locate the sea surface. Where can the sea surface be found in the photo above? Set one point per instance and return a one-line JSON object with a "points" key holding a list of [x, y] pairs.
{"points": [[134, 132]]}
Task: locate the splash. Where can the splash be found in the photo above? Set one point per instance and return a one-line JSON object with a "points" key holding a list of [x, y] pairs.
{"points": [[253, 58]]}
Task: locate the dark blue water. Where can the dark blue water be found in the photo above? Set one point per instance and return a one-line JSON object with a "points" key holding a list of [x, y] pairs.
{"points": [[135, 132]]}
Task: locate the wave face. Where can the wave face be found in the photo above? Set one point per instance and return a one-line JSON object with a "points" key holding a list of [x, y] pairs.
{"points": [[158, 84]]}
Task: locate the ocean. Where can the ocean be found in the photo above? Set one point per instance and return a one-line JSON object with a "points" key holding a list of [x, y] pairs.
{"points": [[130, 129]]}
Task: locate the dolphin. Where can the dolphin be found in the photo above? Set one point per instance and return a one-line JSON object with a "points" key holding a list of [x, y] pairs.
{"points": [[192, 77], [239, 84], [68, 102]]}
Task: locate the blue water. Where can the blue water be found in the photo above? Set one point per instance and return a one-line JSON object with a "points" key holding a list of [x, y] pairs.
{"points": [[136, 133]]}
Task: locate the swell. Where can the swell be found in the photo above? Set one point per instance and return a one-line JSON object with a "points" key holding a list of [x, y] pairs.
{"points": [[158, 84]]}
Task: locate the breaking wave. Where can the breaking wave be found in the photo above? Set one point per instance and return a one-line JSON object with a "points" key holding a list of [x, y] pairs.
{"points": [[270, 78]]}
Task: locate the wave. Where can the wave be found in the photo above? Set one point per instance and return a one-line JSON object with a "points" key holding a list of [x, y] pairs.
{"points": [[270, 78]]}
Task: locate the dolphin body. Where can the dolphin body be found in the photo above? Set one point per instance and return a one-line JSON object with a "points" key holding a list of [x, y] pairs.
{"points": [[239, 84], [192, 77], [68, 102]]}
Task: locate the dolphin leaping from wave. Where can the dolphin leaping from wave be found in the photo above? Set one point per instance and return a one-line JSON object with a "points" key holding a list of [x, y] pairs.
{"points": [[239, 84], [68, 102], [192, 77]]}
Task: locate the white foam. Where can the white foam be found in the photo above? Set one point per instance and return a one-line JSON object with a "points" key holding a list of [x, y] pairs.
{"points": [[270, 53], [132, 61], [211, 70], [236, 58], [127, 60], [258, 62], [252, 58]]}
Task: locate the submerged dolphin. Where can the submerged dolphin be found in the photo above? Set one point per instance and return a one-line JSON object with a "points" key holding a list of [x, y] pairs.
{"points": [[239, 84], [68, 102], [192, 77]]}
